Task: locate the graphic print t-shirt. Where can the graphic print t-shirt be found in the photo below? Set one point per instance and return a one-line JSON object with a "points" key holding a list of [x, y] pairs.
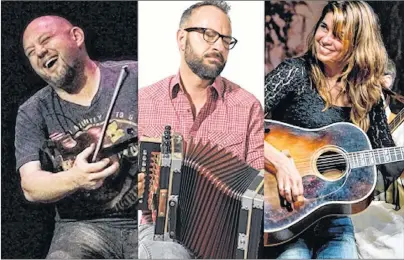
{"points": [[45, 116]]}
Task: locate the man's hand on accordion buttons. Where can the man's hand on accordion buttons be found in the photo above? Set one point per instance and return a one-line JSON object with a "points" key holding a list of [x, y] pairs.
{"points": [[140, 184], [91, 176]]}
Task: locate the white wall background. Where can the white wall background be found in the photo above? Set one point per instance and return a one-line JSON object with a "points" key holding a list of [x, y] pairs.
{"points": [[159, 57]]}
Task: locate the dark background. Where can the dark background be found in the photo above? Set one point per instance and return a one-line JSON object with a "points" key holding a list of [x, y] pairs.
{"points": [[111, 33], [391, 17]]}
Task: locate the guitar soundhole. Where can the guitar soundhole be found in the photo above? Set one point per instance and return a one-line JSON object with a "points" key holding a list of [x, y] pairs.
{"points": [[331, 165]]}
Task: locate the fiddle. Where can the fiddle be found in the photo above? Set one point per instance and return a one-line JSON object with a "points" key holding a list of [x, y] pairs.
{"points": [[66, 147], [63, 148]]}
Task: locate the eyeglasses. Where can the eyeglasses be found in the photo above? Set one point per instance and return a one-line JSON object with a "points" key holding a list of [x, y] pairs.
{"points": [[211, 36]]}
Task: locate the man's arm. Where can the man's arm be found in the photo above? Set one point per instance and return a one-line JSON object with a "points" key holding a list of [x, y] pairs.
{"points": [[255, 137], [39, 185], [42, 186]]}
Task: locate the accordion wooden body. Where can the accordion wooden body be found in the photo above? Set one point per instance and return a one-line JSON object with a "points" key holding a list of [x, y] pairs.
{"points": [[204, 197]]}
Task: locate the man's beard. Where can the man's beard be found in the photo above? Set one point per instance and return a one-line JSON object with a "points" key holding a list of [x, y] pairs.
{"points": [[197, 66], [67, 78]]}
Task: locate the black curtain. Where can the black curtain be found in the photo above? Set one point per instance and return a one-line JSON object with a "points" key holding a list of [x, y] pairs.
{"points": [[111, 34]]}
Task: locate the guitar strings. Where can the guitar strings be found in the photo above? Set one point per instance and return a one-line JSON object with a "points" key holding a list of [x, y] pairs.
{"points": [[330, 161], [367, 154]]}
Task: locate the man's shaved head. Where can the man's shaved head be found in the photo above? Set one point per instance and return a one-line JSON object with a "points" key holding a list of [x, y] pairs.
{"points": [[55, 49], [54, 21], [58, 20]]}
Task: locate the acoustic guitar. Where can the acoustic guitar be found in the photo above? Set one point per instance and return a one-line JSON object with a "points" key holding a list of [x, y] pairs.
{"points": [[338, 169]]}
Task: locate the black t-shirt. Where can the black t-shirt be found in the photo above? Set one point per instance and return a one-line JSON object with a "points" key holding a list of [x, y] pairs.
{"points": [[45, 116]]}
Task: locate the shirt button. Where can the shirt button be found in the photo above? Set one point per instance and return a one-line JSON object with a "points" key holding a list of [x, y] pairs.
{"points": [[188, 110]]}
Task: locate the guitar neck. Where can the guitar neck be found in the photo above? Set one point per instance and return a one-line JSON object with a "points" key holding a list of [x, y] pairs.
{"points": [[396, 122], [375, 157]]}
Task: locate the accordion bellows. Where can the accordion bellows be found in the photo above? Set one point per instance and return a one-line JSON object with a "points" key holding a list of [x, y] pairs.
{"points": [[205, 198]]}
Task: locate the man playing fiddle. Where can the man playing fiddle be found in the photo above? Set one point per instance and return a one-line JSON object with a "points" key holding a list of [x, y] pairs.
{"points": [[94, 217]]}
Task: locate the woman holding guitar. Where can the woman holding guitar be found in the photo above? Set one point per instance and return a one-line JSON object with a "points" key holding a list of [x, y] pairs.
{"points": [[339, 79]]}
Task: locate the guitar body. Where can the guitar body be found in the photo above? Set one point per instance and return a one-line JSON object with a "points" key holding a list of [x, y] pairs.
{"points": [[331, 186]]}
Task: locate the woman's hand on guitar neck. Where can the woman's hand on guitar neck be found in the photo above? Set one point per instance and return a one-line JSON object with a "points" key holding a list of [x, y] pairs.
{"points": [[289, 180]]}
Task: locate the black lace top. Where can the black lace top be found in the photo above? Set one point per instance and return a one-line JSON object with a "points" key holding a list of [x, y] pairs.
{"points": [[290, 97]]}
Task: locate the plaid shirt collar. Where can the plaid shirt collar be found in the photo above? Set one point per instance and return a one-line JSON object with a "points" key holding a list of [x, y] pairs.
{"points": [[217, 89]]}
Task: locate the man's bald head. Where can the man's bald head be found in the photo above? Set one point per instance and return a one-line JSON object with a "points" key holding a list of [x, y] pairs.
{"points": [[55, 49], [47, 21], [60, 21]]}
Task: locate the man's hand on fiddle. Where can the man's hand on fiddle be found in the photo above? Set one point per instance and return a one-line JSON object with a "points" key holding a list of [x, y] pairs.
{"points": [[91, 176]]}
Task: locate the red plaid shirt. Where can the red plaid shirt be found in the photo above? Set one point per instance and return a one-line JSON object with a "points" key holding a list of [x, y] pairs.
{"points": [[231, 117]]}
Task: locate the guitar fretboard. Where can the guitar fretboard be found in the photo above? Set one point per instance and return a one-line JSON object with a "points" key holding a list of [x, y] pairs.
{"points": [[396, 122], [375, 157]]}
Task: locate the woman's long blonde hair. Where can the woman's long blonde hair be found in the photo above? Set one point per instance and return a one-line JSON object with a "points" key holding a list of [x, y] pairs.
{"points": [[364, 58]]}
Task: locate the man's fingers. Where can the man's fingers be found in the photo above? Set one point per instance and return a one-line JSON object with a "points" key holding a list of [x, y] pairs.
{"points": [[97, 166], [98, 184], [93, 185], [106, 172], [86, 152]]}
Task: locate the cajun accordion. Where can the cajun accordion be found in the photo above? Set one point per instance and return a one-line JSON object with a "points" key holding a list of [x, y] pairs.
{"points": [[204, 197]]}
